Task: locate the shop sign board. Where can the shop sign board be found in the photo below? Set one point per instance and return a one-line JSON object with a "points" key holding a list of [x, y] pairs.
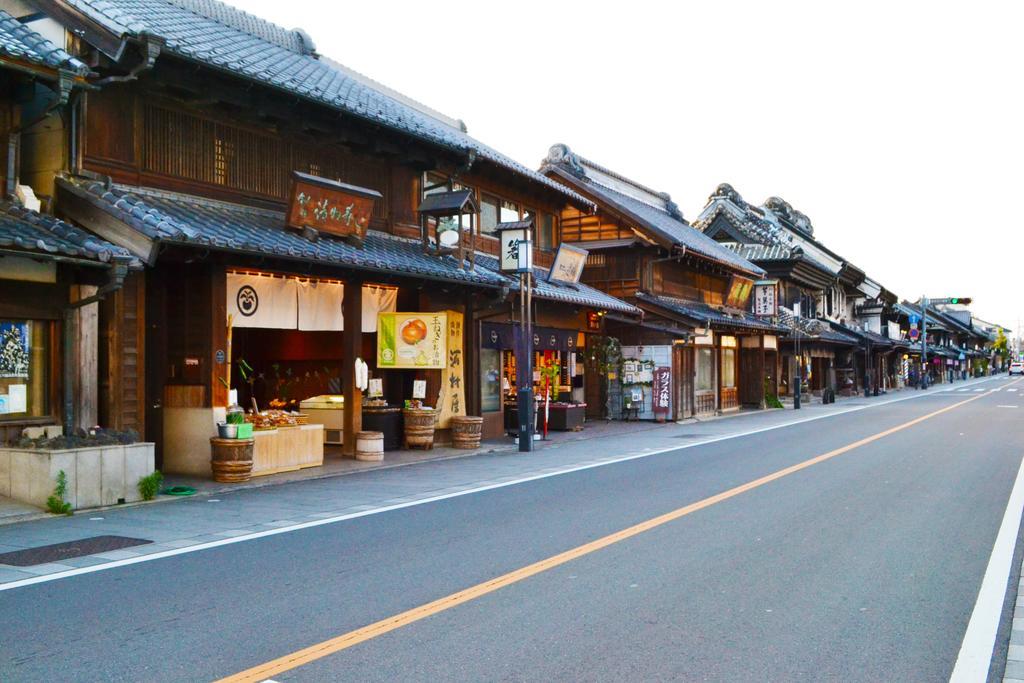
{"points": [[568, 265], [662, 390], [511, 241], [739, 292], [412, 340], [766, 301], [330, 206], [451, 400]]}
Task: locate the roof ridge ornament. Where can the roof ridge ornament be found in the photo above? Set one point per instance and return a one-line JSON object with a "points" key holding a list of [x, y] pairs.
{"points": [[559, 154]]}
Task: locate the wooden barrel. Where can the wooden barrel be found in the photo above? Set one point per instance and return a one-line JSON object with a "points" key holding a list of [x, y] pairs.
{"points": [[419, 427], [231, 459], [370, 446], [466, 431]]}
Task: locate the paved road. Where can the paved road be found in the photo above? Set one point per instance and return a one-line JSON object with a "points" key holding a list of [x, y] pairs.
{"points": [[863, 566]]}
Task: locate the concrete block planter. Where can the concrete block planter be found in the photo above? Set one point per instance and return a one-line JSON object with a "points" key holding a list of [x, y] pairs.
{"points": [[96, 475]]}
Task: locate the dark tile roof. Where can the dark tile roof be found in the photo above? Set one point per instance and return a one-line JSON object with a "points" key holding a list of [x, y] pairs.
{"points": [[663, 224], [191, 220], [187, 219], [39, 234], [20, 42], [865, 335], [701, 313], [812, 329], [223, 37], [442, 203], [578, 294]]}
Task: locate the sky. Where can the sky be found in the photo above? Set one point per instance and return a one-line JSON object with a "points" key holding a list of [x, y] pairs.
{"points": [[895, 126]]}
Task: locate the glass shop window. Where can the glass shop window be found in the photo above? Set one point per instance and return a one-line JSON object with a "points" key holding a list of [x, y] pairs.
{"points": [[489, 214], [490, 380], [546, 232], [24, 371], [728, 368], [705, 370], [509, 212]]}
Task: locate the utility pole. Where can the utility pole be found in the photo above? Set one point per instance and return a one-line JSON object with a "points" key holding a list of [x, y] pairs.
{"points": [[924, 342]]}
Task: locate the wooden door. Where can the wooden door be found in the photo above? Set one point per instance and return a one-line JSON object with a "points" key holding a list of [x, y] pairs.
{"points": [[705, 380], [682, 379], [750, 377]]}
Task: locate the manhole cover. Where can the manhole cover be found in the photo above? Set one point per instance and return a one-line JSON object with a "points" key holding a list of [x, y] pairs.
{"points": [[65, 551]]}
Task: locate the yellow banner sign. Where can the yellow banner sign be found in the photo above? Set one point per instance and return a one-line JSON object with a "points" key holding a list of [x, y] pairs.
{"points": [[451, 400], [412, 340]]}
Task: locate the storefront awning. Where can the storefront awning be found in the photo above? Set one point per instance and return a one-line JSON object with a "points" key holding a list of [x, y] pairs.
{"points": [[502, 336], [700, 315]]}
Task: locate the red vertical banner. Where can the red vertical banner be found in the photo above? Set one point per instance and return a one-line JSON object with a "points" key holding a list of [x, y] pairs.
{"points": [[662, 390]]}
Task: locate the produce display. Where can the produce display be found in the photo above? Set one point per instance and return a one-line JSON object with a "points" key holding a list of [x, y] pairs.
{"points": [[273, 419]]}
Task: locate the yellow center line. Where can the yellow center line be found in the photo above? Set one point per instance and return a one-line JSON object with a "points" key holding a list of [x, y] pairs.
{"points": [[347, 640]]}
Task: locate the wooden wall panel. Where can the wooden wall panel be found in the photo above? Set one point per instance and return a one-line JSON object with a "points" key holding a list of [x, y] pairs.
{"points": [[122, 380]]}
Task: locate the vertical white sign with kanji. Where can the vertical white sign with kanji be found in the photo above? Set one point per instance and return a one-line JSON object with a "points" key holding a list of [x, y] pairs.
{"points": [[766, 301]]}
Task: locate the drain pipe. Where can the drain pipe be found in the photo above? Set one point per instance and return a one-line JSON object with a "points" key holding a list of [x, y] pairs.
{"points": [[118, 272]]}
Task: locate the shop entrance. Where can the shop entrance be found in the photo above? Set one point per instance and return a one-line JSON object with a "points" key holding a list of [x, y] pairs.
{"points": [[704, 381]]}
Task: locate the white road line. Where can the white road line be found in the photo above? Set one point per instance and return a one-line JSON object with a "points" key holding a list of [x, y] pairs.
{"points": [[976, 650], [961, 389], [56, 576], [978, 390], [1006, 406], [1011, 389]]}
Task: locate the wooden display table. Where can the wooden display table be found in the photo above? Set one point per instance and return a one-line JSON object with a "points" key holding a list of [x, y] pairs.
{"points": [[287, 449]]}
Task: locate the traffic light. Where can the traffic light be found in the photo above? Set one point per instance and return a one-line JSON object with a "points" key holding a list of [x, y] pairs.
{"points": [[962, 300]]}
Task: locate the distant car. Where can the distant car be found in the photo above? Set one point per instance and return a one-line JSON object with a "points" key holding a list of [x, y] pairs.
{"points": [[1016, 368]]}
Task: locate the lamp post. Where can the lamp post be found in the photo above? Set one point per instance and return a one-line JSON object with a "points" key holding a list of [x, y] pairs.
{"points": [[517, 257]]}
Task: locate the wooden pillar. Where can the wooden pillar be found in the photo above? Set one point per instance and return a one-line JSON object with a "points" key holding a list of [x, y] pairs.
{"points": [[86, 340], [761, 389], [351, 349], [218, 393]]}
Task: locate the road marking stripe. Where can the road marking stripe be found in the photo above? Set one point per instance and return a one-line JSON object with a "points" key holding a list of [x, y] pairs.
{"points": [[334, 645], [57, 576], [1006, 406], [975, 656]]}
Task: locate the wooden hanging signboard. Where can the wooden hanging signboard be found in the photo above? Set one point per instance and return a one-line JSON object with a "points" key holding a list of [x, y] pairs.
{"points": [[330, 206]]}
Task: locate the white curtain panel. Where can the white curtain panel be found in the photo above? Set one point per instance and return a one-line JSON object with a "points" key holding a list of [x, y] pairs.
{"points": [[320, 305], [377, 300], [262, 301]]}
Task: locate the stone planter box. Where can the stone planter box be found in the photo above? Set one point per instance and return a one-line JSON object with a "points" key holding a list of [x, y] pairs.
{"points": [[96, 476], [564, 417]]}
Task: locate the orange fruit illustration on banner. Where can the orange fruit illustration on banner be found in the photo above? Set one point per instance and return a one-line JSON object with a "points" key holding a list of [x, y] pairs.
{"points": [[414, 331]]}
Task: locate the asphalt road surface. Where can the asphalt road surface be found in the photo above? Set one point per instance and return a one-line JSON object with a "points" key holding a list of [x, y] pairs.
{"points": [[863, 565]]}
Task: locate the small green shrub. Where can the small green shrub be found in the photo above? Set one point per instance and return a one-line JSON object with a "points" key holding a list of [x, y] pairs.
{"points": [[236, 418], [56, 503], [149, 485]]}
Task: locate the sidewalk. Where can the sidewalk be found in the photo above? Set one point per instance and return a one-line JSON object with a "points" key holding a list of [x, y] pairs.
{"points": [[219, 514]]}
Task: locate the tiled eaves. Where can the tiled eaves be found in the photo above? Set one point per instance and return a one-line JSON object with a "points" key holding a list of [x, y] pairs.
{"points": [[22, 229], [18, 41], [190, 220]]}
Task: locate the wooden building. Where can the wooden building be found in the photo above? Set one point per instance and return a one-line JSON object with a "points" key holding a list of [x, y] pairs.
{"points": [[54, 277], [695, 293], [185, 151]]}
